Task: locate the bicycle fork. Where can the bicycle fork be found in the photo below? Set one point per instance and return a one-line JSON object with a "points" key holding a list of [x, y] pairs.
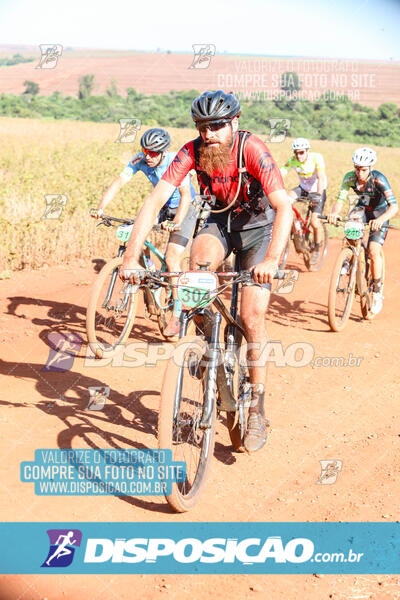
{"points": [[212, 358]]}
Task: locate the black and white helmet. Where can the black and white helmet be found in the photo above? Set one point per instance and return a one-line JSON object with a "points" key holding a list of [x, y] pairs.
{"points": [[364, 157], [155, 139], [215, 106]]}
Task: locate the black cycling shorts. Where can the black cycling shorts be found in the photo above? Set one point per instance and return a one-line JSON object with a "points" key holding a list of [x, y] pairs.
{"points": [[184, 234], [250, 245], [374, 236], [316, 207]]}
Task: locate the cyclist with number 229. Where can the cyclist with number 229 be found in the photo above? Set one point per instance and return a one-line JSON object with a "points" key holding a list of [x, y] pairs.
{"points": [[252, 216], [310, 168], [176, 212], [376, 204]]}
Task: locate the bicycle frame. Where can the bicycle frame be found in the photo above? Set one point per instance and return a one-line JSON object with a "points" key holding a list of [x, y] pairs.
{"points": [[305, 223], [121, 251], [214, 349]]}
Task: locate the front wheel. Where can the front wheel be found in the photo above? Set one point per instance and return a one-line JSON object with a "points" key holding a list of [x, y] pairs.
{"points": [[179, 422], [341, 290], [164, 305], [111, 310], [310, 243]]}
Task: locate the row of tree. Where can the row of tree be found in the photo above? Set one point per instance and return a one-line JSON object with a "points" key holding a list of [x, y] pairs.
{"points": [[330, 117], [14, 60]]}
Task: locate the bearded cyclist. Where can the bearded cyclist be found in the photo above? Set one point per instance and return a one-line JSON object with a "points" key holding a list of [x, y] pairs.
{"points": [[310, 168], [377, 205], [254, 220], [176, 212]]}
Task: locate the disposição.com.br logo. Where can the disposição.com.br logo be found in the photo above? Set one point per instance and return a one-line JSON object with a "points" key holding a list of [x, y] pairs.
{"points": [[63, 543]]}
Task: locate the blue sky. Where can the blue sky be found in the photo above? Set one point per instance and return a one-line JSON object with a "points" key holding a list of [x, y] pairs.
{"points": [[325, 28]]}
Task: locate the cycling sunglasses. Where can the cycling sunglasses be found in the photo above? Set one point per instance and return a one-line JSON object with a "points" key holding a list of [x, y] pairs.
{"points": [[216, 126], [300, 151], [150, 153]]}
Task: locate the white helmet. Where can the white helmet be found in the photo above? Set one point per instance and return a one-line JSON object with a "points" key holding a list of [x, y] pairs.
{"points": [[300, 144], [364, 157]]}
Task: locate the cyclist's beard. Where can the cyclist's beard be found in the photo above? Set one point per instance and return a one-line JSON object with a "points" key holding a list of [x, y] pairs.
{"points": [[215, 158]]}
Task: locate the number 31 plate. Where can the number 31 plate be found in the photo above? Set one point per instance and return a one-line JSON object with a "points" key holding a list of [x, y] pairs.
{"points": [[195, 288]]}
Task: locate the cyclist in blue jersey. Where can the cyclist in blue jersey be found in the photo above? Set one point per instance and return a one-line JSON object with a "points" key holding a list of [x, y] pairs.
{"points": [[177, 212], [376, 204]]}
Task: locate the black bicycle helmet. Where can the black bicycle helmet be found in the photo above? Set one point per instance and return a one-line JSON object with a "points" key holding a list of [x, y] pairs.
{"points": [[215, 106], [155, 139]]}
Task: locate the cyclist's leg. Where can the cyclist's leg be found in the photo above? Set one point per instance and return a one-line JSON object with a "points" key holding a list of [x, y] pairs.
{"points": [[177, 243], [295, 193], [316, 211], [375, 242], [252, 246], [212, 244], [178, 240]]}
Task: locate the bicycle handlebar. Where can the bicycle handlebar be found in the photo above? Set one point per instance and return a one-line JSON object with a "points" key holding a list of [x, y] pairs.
{"points": [[241, 276], [340, 220], [107, 221]]}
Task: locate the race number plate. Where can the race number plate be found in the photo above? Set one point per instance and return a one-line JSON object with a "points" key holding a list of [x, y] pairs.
{"points": [[195, 288], [353, 230], [124, 232]]}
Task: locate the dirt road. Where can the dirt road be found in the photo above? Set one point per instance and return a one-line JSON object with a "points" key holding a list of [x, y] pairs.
{"points": [[347, 413]]}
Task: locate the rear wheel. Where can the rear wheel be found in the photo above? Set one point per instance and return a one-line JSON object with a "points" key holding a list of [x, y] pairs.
{"points": [[341, 290], [310, 243], [183, 391], [109, 321]]}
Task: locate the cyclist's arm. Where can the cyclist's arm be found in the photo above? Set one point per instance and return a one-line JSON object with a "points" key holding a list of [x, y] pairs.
{"points": [[286, 167], [111, 192], [342, 197], [120, 181], [321, 174], [383, 186], [281, 204], [388, 214], [145, 220], [172, 178], [262, 166], [186, 199]]}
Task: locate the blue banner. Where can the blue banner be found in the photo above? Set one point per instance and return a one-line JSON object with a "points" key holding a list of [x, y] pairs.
{"points": [[219, 548], [90, 472]]}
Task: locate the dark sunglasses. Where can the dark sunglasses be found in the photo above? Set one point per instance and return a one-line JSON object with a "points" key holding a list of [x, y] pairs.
{"points": [[211, 126]]}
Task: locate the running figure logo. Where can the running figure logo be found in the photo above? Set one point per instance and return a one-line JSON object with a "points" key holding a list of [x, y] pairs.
{"points": [[55, 204], [50, 53], [279, 129], [128, 130], [329, 471], [202, 55], [62, 547]]}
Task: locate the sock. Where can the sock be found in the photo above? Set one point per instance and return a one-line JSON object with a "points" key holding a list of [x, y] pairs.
{"points": [[257, 398], [177, 308]]}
